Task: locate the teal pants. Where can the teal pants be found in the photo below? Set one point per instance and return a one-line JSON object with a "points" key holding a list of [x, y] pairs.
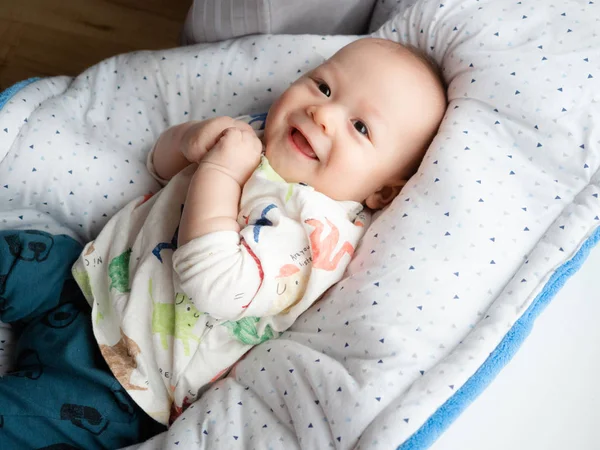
{"points": [[61, 394]]}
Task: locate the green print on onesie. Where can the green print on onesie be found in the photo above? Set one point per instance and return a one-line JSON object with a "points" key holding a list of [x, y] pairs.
{"points": [[244, 330], [271, 175], [118, 271], [175, 319], [83, 280]]}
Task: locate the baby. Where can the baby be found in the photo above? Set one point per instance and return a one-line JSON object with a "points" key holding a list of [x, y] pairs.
{"points": [[247, 234]]}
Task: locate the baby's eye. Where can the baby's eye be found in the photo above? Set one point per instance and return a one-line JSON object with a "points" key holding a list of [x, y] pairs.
{"points": [[361, 127], [324, 88]]}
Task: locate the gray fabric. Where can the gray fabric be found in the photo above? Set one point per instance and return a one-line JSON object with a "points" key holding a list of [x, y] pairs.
{"points": [[383, 10], [217, 20]]}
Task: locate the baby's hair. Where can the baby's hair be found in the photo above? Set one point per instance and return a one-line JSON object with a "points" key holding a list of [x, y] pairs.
{"points": [[431, 64], [428, 61]]}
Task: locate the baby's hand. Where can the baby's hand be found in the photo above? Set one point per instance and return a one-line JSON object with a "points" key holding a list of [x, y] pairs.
{"points": [[200, 137], [237, 153]]}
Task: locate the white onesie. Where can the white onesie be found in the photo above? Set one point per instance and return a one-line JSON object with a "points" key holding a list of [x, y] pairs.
{"points": [[169, 320]]}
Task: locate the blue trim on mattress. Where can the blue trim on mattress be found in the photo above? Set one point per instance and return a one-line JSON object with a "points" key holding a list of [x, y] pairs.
{"points": [[425, 436], [7, 94]]}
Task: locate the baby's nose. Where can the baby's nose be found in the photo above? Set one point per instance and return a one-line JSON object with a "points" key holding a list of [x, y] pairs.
{"points": [[325, 116]]}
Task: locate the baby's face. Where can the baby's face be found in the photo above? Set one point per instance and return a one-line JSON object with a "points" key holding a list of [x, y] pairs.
{"points": [[354, 124]]}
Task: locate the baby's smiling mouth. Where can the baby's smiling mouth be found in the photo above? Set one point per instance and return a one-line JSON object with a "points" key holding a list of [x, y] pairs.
{"points": [[302, 144]]}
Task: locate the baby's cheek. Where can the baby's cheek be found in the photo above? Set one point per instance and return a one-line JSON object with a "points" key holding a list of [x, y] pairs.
{"points": [[275, 115], [281, 103], [338, 186], [362, 183]]}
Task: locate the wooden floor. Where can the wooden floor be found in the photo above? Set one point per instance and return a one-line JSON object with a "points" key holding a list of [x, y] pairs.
{"points": [[63, 37]]}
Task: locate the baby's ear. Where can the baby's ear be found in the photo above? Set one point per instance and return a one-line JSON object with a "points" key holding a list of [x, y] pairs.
{"points": [[384, 196]]}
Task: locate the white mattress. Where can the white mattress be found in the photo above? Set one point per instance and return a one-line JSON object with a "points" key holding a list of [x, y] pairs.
{"points": [[547, 397]]}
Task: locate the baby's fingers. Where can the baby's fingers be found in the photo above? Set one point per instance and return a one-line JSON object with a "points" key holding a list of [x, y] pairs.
{"points": [[243, 126], [251, 140], [211, 131]]}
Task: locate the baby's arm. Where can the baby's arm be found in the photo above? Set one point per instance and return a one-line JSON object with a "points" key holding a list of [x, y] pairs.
{"points": [[216, 271], [214, 193], [186, 143]]}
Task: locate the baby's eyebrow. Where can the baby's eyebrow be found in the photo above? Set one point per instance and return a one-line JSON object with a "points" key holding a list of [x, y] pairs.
{"points": [[372, 111], [325, 67]]}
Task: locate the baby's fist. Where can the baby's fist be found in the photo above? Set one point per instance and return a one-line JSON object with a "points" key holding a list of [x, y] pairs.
{"points": [[237, 153], [199, 137]]}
